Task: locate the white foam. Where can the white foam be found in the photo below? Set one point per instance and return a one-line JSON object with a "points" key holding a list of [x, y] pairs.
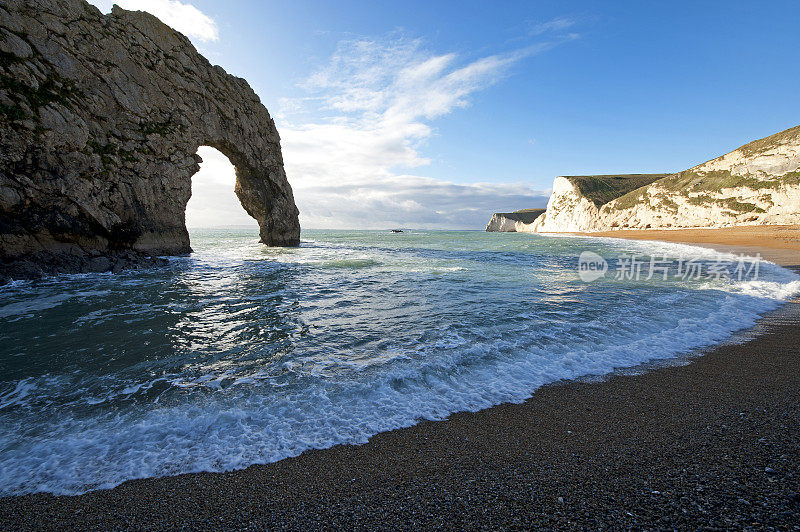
{"points": [[24, 308], [22, 389]]}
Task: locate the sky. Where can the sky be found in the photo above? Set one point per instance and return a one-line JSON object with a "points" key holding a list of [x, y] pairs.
{"points": [[421, 114]]}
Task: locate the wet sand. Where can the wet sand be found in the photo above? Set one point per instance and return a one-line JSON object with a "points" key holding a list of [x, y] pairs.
{"points": [[711, 443]]}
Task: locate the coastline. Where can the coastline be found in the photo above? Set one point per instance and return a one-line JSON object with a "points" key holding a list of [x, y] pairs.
{"points": [[776, 243], [715, 442]]}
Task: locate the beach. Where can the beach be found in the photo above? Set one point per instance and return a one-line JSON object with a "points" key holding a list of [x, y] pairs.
{"points": [[219, 316], [708, 441], [776, 243]]}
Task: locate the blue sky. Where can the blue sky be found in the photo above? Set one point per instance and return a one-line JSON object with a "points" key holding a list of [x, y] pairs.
{"points": [[436, 114]]}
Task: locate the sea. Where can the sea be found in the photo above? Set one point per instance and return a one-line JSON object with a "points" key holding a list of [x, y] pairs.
{"points": [[240, 354]]}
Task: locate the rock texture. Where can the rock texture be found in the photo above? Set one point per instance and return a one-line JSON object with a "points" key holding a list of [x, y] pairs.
{"points": [[101, 117], [511, 222], [756, 184]]}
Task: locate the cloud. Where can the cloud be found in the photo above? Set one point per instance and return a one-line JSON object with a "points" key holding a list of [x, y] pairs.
{"points": [[185, 18], [411, 201], [213, 202], [377, 203], [554, 25], [350, 144]]}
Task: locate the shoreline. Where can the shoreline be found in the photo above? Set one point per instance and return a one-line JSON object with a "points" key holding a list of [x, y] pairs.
{"points": [[776, 243], [711, 442]]}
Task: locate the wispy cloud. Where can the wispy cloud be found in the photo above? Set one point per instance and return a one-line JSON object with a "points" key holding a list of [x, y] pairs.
{"points": [[555, 25], [350, 142], [185, 18]]}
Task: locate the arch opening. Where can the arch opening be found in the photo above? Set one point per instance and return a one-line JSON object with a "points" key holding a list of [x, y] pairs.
{"points": [[214, 202]]}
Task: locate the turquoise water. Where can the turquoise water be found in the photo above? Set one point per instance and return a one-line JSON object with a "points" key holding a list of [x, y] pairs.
{"points": [[242, 354]]}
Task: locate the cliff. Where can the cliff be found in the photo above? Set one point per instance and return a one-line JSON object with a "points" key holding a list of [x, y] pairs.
{"points": [[510, 222], [100, 120], [756, 184], [576, 201]]}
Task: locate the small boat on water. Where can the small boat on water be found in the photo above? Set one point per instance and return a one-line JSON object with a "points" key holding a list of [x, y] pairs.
{"points": [[396, 231]]}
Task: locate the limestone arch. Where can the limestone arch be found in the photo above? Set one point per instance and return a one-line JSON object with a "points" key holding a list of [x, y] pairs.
{"points": [[259, 185], [100, 145]]}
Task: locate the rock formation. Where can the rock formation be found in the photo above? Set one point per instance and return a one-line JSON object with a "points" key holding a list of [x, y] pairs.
{"points": [[756, 184], [576, 201], [100, 120], [511, 222]]}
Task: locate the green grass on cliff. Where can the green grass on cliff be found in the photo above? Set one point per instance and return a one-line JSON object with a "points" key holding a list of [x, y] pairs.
{"points": [[766, 143], [715, 181], [703, 183], [525, 216], [600, 189], [732, 204]]}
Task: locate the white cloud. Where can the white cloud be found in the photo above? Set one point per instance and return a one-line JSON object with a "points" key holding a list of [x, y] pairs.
{"points": [[213, 202], [411, 201], [554, 25], [185, 18], [349, 145]]}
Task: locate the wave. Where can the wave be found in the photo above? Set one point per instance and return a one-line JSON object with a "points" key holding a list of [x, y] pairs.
{"points": [[457, 355]]}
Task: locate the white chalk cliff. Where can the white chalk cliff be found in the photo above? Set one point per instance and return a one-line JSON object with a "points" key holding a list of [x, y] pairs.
{"points": [[514, 222], [756, 184]]}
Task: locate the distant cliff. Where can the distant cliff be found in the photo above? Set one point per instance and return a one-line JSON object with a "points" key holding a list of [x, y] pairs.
{"points": [[518, 221], [100, 120], [576, 201], [756, 184]]}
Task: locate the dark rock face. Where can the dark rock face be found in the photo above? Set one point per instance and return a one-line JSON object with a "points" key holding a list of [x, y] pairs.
{"points": [[100, 120]]}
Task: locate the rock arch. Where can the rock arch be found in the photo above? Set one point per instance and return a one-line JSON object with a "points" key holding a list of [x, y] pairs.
{"points": [[101, 119]]}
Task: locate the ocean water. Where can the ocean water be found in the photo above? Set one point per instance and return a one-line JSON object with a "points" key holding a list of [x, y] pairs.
{"points": [[241, 354]]}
